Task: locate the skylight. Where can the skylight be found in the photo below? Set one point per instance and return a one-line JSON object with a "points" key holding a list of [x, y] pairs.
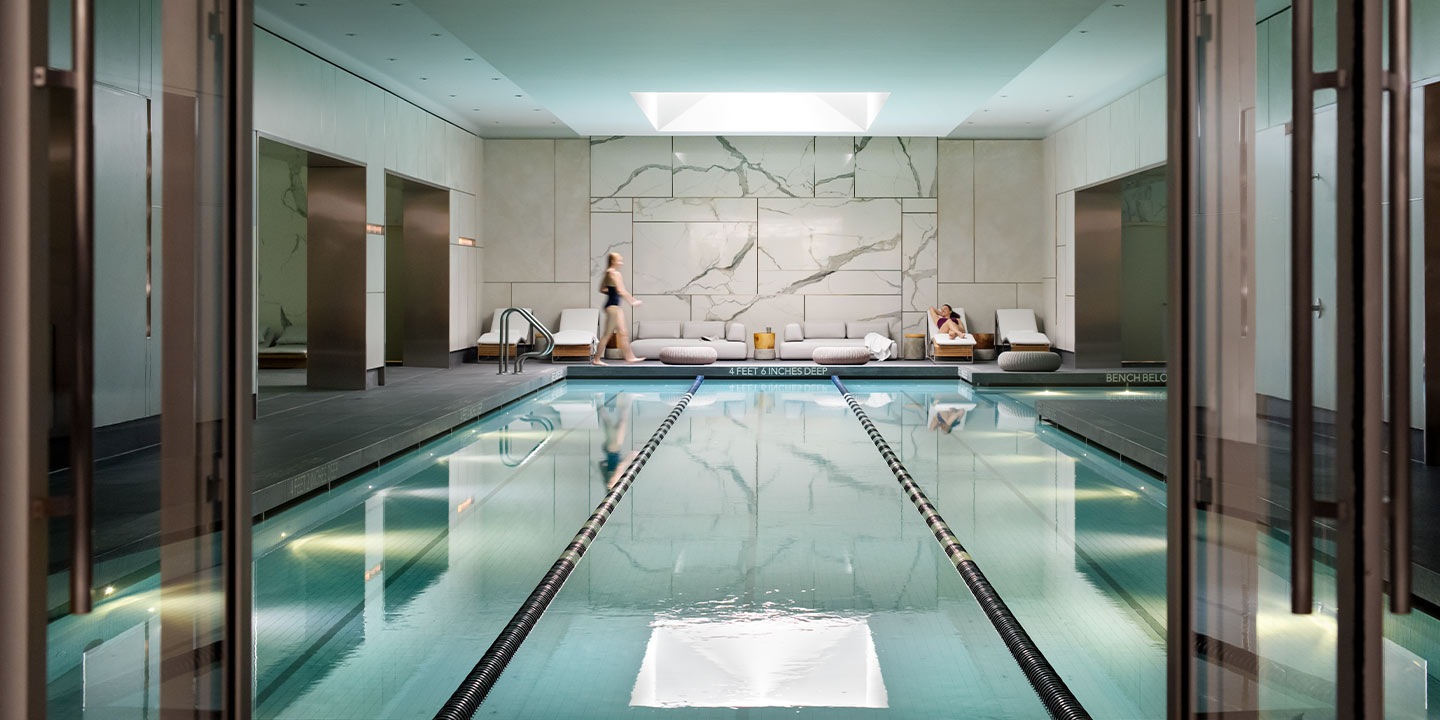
{"points": [[729, 113]]}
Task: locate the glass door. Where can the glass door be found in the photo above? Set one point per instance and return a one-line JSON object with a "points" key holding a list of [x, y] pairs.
{"points": [[128, 393], [1291, 361]]}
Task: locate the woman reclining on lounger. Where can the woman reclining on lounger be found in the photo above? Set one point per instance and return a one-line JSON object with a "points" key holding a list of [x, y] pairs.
{"points": [[947, 321]]}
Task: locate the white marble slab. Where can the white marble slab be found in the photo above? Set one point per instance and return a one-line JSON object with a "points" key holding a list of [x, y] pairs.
{"points": [[610, 205], [623, 166], [694, 258], [830, 234], [609, 232], [896, 167], [696, 210], [282, 252], [920, 205], [755, 312], [744, 166], [828, 282], [920, 248], [834, 167], [845, 308]]}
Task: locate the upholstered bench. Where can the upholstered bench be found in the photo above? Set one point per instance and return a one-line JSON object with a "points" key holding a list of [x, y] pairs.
{"points": [[849, 355], [688, 355], [1028, 361]]}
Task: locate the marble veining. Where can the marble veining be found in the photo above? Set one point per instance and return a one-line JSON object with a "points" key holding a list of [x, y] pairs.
{"points": [[830, 282], [744, 166], [830, 234], [625, 166], [920, 249], [1144, 199], [896, 167], [834, 166], [695, 210], [283, 250], [694, 258], [611, 205]]}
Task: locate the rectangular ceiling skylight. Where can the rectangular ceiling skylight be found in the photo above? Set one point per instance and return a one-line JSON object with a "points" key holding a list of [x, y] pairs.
{"points": [[723, 113]]}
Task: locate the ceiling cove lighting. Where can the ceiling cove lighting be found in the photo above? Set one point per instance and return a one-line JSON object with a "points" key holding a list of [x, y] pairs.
{"points": [[727, 113]]}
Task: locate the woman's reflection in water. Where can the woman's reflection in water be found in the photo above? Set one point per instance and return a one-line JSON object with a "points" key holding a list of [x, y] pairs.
{"points": [[615, 424], [946, 418]]}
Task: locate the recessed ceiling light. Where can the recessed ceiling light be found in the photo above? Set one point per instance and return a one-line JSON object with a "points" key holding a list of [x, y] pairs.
{"points": [[986, 110], [452, 95], [1069, 96], [475, 109], [1082, 32], [301, 4], [390, 59], [397, 4], [519, 96], [1004, 96], [497, 122], [438, 34], [494, 78], [469, 59], [349, 34], [537, 109], [425, 78], [1047, 109], [761, 112]]}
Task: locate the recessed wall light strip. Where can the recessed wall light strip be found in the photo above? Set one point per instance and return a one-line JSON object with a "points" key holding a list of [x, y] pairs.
{"points": [[1053, 692], [472, 691], [373, 229]]}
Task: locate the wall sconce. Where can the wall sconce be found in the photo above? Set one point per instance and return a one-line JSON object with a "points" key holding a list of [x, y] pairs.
{"points": [[467, 242], [374, 229]]}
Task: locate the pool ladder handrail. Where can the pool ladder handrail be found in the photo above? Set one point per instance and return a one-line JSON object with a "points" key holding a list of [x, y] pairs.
{"points": [[1054, 694], [505, 338]]}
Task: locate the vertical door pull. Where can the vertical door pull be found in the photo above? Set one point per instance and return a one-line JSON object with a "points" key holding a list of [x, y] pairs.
{"points": [[1302, 331], [1399, 299], [82, 398]]}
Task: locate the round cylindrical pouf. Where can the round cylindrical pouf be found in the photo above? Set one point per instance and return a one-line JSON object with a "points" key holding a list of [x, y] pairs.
{"points": [[852, 355], [686, 355], [914, 347], [1029, 361]]}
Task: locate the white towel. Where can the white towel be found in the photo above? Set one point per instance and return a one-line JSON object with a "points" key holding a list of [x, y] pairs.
{"points": [[880, 347]]}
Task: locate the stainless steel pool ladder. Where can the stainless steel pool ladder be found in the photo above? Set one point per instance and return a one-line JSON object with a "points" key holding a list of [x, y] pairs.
{"points": [[505, 340]]}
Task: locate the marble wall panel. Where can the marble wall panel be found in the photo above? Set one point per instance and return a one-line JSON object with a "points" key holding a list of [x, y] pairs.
{"points": [[740, 166], [980, 301], [830, 234], [830, 282], [834, 166], [282, 253], [660, 307], [717, 209], [920, 205], [572, 210], [694, 258], [609, 232], [1010, 230], [612, 205], [920, 251], [843, 308], [622, 166], [896, 167], [913, 322], [519, 210], [1032, 296], [957, 210]]}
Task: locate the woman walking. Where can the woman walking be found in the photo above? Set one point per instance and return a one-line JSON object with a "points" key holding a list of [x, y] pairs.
{"points": [[612, 285]]}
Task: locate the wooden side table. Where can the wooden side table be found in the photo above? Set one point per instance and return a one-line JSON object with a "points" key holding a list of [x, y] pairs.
{"points": [[765, 346]]}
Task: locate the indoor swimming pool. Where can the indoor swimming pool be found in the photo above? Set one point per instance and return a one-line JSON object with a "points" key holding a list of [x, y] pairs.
{"points": [[764, 563]]}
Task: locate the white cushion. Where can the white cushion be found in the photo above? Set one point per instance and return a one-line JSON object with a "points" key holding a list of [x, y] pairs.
{"points": [[943, 339], [859, 329], [701, 329], [581, 319], [792, 333], [658, 329], [1012, 321], [1026, 337], [519, 329], [735, 333], [815, 330], [575, 337]]}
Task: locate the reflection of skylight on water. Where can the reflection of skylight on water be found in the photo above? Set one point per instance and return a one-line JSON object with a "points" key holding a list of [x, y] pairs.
{"points": [[760, 660]]}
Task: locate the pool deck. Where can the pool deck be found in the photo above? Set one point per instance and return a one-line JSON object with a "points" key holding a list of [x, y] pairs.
{"points": [[1134, 429]]}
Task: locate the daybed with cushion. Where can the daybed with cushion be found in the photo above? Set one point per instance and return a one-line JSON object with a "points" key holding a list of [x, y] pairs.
{"points": [[800, 341], [577, 335], [652, 336], [940, 346], [519, 330], [1017, 328]]}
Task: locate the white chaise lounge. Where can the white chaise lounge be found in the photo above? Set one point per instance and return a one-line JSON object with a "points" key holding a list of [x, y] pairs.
{"points": [[800, 341], [652, 336], [1017, 328], [940, 346], [489, 344], [578, 333]]}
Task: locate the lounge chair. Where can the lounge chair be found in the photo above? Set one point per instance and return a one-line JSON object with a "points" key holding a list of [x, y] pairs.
{"points": [[489, 343], [1017, 327], [940, 346], [577, 336]]}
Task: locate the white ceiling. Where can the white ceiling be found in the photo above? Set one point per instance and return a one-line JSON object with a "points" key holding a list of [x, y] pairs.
{"points": [[574, 63]]}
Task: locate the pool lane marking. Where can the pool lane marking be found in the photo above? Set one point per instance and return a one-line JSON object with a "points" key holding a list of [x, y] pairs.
{"points": [[1059, 701], [476, 686]]}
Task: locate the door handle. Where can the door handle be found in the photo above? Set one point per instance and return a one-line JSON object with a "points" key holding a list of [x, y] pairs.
{"points": [[1399, 301], [1302, 332]]}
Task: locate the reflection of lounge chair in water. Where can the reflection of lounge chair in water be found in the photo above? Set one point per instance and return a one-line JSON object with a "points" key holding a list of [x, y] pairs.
{"points": [[615, 424], [948, 417]]}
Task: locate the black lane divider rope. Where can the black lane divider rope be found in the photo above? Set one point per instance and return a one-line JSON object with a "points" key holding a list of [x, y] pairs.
{"points": [[1053, 692], [472, 691]]}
